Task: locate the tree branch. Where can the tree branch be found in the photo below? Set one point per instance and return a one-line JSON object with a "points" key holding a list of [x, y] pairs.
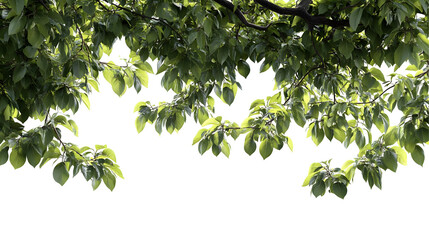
{"points": [[373, 100], [422, 74], [297, 83], [301, 12], [239, 14]]}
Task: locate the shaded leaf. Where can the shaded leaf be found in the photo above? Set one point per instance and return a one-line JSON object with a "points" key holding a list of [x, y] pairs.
{"points": [[60, 173], [339, 189], [418, 155], [355, 18]]}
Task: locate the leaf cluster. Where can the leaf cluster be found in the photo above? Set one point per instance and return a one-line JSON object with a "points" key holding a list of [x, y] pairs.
{"points": [[327, 65]]}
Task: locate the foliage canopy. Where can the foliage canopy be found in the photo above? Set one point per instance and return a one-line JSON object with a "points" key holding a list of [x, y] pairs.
{"points": [[326, 56]]}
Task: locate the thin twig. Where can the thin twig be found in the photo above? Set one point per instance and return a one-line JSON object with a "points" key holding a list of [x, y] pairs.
{"points": [[422, 74], [301, 80], [63, 144], [373, 100], [103, 6], [47, 115], [83, 42]]}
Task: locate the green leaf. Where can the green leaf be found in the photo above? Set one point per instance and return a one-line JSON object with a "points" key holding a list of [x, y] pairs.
{"points": [[109, 75], [339, 134], [410, 137], [202, 115], [347, 164], [391, 137], [17, 24], [423, 42], [199, 135], [307, 179], [317, 134], [249, 144], [145, 66], [87, 172], [298, 115], [289, 143], [207, 25], [265, 149], [109, 180], [95, 183], [225, 148], [85, 100], [116, 170], [209, 121], [216, 150], [34, 37], [109, 153], [60, 173], [79, 69], [314, 167], [349, 168], [389, 159], [402, 54], [369, 83], [4, 155], [257, 102], [19, 73], [99, 147], [17, 158], [346, 48], [118, 85], [17, 6], [377, 73], [319, 188], [33, 156], [360, 139], [418, 155], [402, 155], [201, 40], [203, 146], [228, 95], [179, 121], [339, 189], [422, 134], [355, 17], [222, 54], [243, 68], [140, 123], [142, 77]]}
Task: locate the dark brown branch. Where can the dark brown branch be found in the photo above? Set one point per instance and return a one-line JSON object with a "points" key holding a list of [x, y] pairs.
{"points": [[301, 12], [239, 14]]}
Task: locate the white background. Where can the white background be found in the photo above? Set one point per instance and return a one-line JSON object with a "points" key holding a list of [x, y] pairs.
{"points": [[171, 192]]}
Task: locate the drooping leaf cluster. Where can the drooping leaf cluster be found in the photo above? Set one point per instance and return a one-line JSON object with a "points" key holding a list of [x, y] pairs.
{"points": [[327, 61]]}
